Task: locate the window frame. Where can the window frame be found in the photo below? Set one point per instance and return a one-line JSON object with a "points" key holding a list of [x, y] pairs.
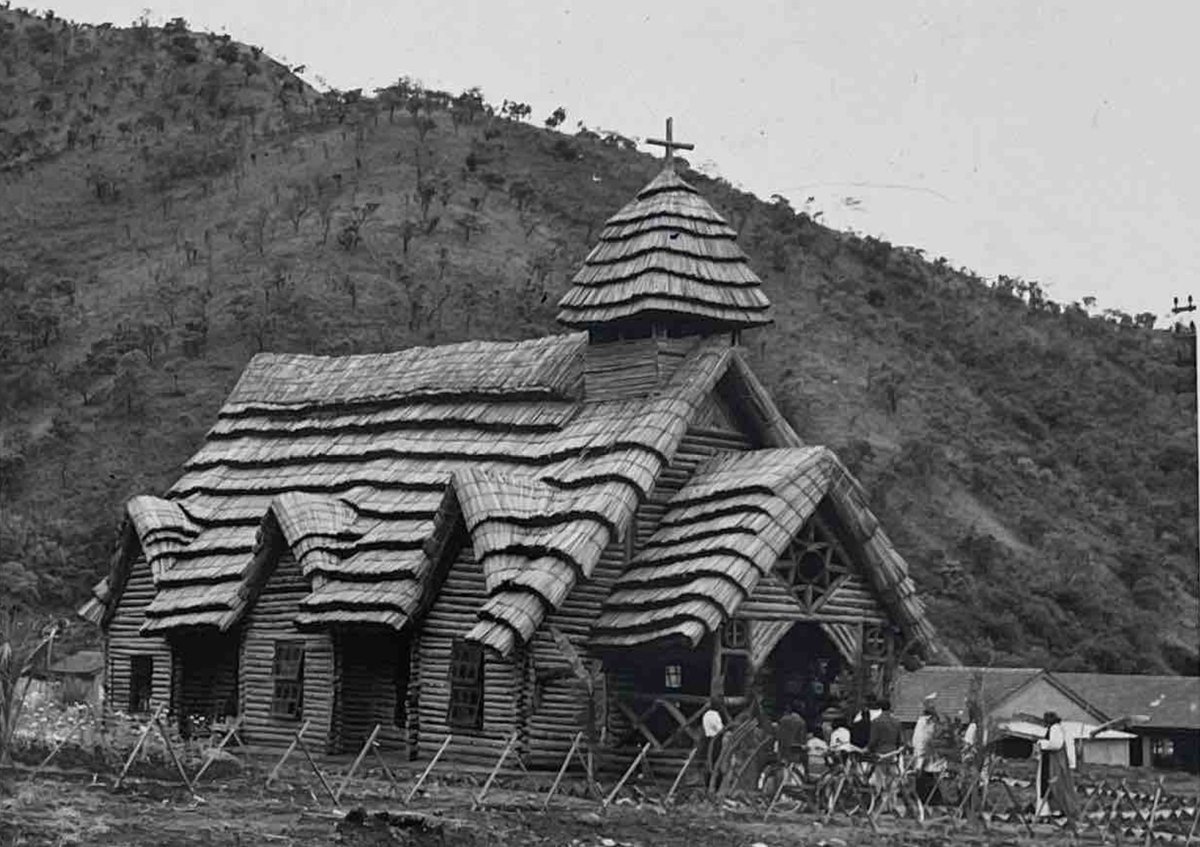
{"points": [[467, 685], [673, 677], [287, 679]]}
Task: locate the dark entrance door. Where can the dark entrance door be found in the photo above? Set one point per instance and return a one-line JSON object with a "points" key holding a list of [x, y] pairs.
{"points": [[372, 687], [805, 666], [205, 677]]}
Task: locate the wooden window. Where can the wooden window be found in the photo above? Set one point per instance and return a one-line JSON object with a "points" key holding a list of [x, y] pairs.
{"points": [[813, 564], [288, 674], [674, 677], [735, 635], [466, 686], [141, 682]]}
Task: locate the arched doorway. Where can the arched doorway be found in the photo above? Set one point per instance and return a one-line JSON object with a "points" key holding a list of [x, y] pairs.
{"points": [[807, 672]]}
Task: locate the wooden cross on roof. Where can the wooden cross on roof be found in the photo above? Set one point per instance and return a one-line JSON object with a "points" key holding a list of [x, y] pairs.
{"points": [[670, 143]]}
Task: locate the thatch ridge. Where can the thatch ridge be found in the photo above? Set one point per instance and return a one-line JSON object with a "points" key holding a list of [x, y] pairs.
{"points": [[550, 366]]}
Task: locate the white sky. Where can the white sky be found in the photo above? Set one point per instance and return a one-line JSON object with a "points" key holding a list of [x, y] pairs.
{"points": [[1052, 140]]}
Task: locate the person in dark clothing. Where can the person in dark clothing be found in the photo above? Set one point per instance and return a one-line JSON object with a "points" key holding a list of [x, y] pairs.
{"points": [[884, 735], [791, 734], [860, 727], [884, 742]]}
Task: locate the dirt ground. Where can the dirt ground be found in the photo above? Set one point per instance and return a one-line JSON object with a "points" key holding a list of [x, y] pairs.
{"points": [[71, 809]]}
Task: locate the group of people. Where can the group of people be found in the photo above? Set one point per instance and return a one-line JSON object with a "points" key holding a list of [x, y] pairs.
{"points": [[797, 741], [875, 732]]}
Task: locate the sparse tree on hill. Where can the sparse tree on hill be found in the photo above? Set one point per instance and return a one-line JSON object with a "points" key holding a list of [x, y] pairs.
{"points": [[556, 118], [299, 204], [129, 387]]}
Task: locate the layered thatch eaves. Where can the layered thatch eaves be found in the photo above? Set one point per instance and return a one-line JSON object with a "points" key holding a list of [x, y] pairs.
{"points": [[371, 493], [363, 492], [722, 535], [666, 253]]}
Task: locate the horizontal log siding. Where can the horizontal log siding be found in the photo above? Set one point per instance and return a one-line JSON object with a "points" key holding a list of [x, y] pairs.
{"points": [[451, 615], [633, 367], [553, 725], [269, 620], [123, 642], [619, 369]]}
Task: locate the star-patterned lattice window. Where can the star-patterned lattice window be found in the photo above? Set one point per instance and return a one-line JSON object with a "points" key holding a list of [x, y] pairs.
{"points": [[812, 564]]}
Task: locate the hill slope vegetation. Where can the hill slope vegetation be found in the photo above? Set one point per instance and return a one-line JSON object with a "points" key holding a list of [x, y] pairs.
{"points": [[176, 202]]}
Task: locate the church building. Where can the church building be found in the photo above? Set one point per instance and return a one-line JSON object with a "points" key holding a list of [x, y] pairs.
{"points": [[465, 539]]}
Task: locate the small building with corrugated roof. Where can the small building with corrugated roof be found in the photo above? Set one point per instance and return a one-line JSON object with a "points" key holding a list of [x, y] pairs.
{"points": [[490, 539], [1155, 720]]}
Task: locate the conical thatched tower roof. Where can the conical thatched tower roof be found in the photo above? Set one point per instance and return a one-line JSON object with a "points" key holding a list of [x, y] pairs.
{"points": [[667, 258]]}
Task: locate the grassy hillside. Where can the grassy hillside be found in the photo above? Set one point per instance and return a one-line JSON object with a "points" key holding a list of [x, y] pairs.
{"points": [[176, 202]]}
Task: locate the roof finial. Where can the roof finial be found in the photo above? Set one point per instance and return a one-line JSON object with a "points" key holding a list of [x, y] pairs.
{"points": [[670, 143]]}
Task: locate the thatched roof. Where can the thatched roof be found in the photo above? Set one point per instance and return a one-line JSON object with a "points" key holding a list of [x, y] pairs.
{"points": [[363, 465], [724, 532], [666, 253], [366, 468]]}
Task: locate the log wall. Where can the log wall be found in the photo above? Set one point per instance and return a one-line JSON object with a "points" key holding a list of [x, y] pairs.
{"points": [[553, 724], [451, 615], [271, 619], [123, 642]]}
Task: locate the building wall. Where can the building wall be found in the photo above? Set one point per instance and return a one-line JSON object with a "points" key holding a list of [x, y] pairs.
{"points": [[559, 697], [124, 642], [450, 617], [1104, 751], [270, 620]]}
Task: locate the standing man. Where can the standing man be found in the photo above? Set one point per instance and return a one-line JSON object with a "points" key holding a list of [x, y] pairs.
{"points": [[791, 735], [926, 760], [884, 743]]}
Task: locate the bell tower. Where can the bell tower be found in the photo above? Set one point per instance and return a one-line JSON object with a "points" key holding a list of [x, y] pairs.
{"points": [[667, 266]]}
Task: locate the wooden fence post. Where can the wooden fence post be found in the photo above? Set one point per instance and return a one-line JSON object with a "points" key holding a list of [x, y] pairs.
{"points": [[679, 776], [312, 764], [421, 779], [512, 739], [213, 751], [1153, 812], [1195, 821], [1017, 806], [628, 771], [587, 762], [286, 753], [162, 731], [74, 728], [563, 769], [362, 754], [137, 747], [382, 764]]}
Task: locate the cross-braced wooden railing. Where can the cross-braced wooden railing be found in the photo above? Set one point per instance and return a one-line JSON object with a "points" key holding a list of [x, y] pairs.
{"points": [[680, 713]]}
